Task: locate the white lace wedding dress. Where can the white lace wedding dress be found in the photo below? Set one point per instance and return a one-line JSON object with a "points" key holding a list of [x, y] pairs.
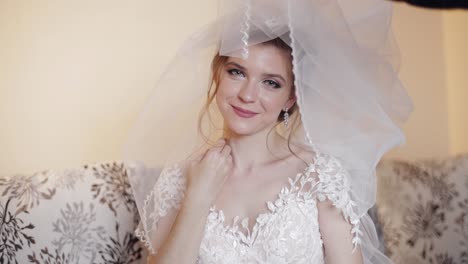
{"points": [[287, 233]]}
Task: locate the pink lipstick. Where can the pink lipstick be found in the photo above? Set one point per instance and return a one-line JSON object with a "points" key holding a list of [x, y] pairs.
{"points": [[243, 113]]}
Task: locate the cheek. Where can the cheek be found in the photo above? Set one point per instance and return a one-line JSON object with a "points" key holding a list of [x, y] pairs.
{"points": [[222, 95], [273, 102], [226, 90]]}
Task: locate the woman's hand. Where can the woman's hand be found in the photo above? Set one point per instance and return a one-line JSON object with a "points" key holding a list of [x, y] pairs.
{"points": [[206, 177]]}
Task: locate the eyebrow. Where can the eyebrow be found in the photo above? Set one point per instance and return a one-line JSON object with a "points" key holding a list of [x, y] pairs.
{"points": [[267, 74]]}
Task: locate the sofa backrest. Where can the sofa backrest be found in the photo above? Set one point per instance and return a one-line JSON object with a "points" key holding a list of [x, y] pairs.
{"points": [[85, 215], [423, 209]]}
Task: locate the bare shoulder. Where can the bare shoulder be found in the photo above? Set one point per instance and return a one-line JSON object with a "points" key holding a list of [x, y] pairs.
{"points": [[328, 213], [336, 234]]}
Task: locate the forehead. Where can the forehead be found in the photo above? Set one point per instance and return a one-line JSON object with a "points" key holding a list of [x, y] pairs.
{"points": [[266, 58]]}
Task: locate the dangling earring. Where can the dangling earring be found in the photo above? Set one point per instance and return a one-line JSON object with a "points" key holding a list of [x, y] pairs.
{"points": [[286, 117]]}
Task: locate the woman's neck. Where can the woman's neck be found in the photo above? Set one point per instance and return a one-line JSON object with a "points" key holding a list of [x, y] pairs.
{"points": [[251, 151]]}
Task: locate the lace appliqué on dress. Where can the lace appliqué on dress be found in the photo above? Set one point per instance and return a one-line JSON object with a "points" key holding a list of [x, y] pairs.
{"points": [[167, 194], [287, 233], [334, 185]]}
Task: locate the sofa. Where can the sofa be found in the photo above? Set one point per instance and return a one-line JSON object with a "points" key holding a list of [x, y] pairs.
{"points": [[422, 210], [82, 215], [88, 214]]}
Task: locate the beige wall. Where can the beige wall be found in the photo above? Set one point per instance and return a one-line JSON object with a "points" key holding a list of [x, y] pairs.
{"points": [[456, 58], [74, 74], [419, 33]]}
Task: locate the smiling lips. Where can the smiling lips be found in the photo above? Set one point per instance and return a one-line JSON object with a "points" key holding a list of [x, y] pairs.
{"points": [[243, 113]]}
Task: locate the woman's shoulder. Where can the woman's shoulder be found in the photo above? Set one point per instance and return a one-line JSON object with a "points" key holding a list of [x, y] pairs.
{"points": [[319, 159], [330, 178], [332, 190]]}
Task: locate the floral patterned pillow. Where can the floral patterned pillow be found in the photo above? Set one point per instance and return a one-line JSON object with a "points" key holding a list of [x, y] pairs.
{"points": [[85, 215], [423, 210]]}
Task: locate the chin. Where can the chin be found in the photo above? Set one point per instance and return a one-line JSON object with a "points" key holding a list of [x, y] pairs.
{"points": [[245, 127], [240, 128]]}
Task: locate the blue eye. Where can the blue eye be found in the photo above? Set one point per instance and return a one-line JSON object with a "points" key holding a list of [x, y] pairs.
{"points": [[273, 84], [235, 72]]}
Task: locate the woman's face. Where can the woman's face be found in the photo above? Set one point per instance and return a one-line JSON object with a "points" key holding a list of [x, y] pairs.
{"points": [[252, 92]]}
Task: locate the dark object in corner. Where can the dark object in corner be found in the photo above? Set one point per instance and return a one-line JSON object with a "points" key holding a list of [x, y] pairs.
{"points": [[445, 4]]}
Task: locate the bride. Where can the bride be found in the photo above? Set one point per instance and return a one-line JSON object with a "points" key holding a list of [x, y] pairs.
{"points": [[279, 164]]}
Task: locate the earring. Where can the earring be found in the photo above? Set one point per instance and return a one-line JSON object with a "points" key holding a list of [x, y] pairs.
{"points": [[286, 117]]}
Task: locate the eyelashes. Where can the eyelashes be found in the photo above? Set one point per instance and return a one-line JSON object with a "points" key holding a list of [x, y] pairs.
{"points": [[238, 73], [273, 84]]}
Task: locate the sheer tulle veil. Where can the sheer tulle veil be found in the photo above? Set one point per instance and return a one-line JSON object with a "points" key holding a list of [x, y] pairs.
{"points": [[350, 100]]}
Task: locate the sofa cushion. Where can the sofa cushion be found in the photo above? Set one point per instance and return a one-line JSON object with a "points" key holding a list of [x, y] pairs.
{"points": [[85, 215], [423, 210]]}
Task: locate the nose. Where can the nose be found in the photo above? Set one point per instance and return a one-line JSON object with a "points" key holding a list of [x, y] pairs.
{"points": [[248, 92]]}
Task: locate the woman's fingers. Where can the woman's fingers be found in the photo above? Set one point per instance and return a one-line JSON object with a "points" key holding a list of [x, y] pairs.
{"points": [[220, 143], [208, 175], [218, 154], [226, 151]]}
